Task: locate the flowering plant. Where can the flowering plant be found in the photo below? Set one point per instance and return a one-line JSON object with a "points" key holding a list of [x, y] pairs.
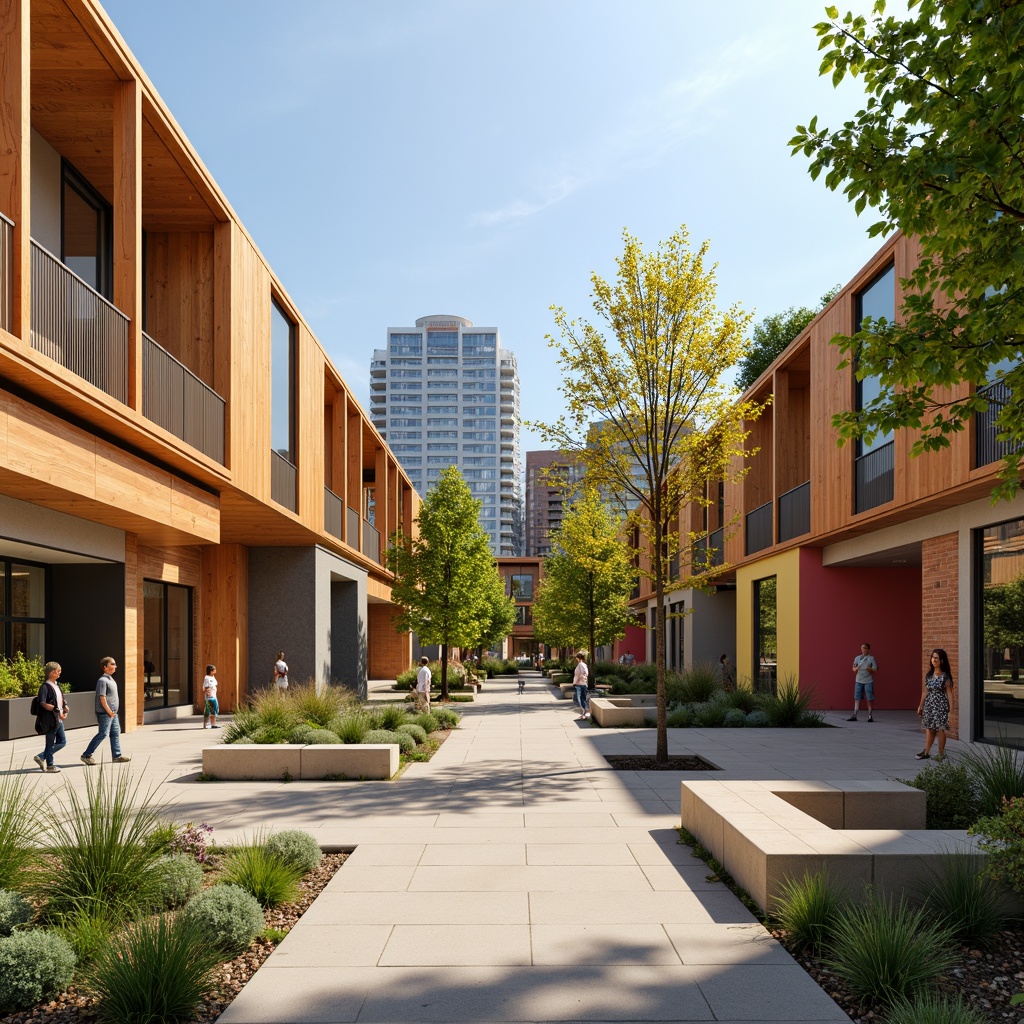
{"points": [[193, 839]]}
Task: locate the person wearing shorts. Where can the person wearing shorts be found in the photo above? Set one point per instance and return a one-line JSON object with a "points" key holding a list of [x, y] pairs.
{"points": [[864, 669], [211, 709]]}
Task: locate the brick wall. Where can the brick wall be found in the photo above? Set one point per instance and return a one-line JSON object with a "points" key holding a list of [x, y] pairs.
{"points": [[940, 608], [388, 652]]}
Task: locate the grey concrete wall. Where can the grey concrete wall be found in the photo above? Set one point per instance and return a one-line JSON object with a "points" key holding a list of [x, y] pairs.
{"points": [[312, 605], [711, 629]]}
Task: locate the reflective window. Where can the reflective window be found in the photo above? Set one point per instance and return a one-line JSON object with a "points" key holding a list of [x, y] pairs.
{"points": [[481, 449], [443, 342], [282, 384], [405, 344], [86, 233], [22, 609], [479, 344], [875, 303], [167, 635], [438, 434], [765, 634], [405, 373], [521, 586], [524, 615]]}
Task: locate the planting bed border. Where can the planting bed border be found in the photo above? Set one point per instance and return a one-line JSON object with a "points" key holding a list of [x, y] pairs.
{"points": [[272, 761]]}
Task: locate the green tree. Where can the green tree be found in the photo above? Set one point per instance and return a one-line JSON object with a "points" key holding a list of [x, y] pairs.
{"points": [[668, 423], [938, 149], [499, 616], [1003, 614], [583, 597], [773, 334], [444, 577]]}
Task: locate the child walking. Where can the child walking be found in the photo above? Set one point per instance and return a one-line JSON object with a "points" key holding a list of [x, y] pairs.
{"points": [[210, 708]]}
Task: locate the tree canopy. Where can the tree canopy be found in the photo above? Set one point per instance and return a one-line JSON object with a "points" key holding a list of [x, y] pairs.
{"points": [[938, 150], [647, 409], [583, 598], [446, 581], [773, 334]]}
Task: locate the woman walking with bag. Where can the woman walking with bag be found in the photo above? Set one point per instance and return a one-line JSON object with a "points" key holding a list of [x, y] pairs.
{"points": [[53, 709]]}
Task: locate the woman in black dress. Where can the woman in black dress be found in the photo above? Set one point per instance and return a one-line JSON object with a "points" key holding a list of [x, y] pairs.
{"points": [[936, 700]]}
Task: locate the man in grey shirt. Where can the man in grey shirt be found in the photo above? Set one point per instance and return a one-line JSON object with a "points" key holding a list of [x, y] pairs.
{"points": [[864, 668], [106, 714]]}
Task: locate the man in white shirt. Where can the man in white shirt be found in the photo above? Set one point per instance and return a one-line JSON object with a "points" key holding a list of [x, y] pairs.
{"points": [[423, 679]]}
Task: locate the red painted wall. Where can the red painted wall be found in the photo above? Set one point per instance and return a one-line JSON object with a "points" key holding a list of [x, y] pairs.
{"points": [[634, 642], [841, 608]]}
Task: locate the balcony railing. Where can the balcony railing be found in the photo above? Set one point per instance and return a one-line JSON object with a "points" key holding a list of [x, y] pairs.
{"points": [[795, 512], [75, 326], [987, 449], [6, 273], [873, 478], [176, 399], [759, 528], [371, 542], [352, 531], [283, 481], [333, 509]]}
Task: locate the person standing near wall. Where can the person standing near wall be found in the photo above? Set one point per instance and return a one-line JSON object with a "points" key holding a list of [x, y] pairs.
{"points": [[864, 669], [936, 700], [281, 672], [52, 703], [211, 708], [106, 715], [424, 678], [728, 679]]}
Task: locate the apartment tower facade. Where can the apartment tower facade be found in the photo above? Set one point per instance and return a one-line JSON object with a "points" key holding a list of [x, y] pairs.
{"points": [[445, 393]]}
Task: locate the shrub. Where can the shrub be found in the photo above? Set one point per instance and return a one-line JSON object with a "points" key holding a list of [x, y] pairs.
{"points": [[34, 965], [932, 1008], [997, 772], [20, 814], [14, 910], [447, 718], [645, 676], [417, 732], [757, 719], [461, 698], [269, 734], [245, 720], [964, 899], [1002, 837], [262, 873], [405, 742], [318, 707], [177, 879], [742, 698], [299, 849], [232, 917], [158, 971], [428, 720], [194, 840], [679, 718], [734, 719], [20, 676], [318, 737], [301, 733], [950, 799], [709, 714], [786, 708], [351, 728], [699, 683], [612, 670], [886, 950], [807, 908], [380, 736], [106, 849]]}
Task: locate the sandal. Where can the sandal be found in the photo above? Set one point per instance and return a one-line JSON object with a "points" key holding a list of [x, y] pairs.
{"points": [[923, 756]]}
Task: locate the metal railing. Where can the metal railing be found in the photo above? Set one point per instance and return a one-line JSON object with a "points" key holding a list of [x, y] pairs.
{"points": [[873, 478], [795, 512], [987, 449], [716, 547], [759, 528], [283, 481], [371, 542], [176, 399], [333, 509], [75, 326], [352, 528], [6, 273]]}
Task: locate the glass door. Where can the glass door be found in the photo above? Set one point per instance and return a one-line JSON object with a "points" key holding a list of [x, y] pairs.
{"points": [[167, 639]]}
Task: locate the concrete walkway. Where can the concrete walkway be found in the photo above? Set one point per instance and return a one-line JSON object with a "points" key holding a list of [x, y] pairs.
{"points": [[516, 877]]}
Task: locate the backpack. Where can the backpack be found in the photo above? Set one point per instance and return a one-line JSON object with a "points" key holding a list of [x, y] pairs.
{"points": [[33, 708]]}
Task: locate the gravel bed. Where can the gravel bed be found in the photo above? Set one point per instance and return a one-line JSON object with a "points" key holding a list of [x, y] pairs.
{"points": [[985, 979]]}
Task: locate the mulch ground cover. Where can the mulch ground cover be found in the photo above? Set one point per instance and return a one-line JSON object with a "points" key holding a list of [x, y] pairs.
{"points": [[647, 763], [985, 979]]}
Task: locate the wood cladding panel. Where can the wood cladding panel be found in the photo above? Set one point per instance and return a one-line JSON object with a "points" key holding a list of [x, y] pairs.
{"points": [[182, 566], [131, 661], [224, 613], [15, 134], [310, 429], [180, 301]]}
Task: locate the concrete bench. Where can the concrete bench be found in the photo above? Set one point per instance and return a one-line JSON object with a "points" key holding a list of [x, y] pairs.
{"points": [[567, 688], [629, 709], [313, 761], [766, 832]]}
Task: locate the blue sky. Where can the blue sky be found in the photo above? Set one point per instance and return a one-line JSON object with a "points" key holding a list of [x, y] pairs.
{"points": [[399, 158]]}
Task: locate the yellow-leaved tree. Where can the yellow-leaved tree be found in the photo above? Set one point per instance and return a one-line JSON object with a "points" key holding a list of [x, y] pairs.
{"points": [[648, 411]]}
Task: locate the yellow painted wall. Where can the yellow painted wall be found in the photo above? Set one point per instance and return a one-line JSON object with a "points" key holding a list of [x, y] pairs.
{"points": [[786, 567]]}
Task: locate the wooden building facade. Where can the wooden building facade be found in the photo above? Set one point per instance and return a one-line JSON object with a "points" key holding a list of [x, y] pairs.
{"points": [[184, 476]]}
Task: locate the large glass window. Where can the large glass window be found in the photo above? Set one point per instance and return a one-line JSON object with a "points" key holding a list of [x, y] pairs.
{"points": [[86, 232], [524, 615], [22, 609], [1000, 613], [405, 344], [443, 342], [876, 302], [521, 586], [478, 344], [765, 634], [282, 384], [167, 635]]}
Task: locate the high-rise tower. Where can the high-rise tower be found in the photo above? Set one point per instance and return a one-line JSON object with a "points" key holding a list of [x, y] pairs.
{"points": [[444, 393]]}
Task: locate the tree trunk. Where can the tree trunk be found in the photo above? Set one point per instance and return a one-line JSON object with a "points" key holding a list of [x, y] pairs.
{"points": [[444, 671], [593, 646], [661, 751]]}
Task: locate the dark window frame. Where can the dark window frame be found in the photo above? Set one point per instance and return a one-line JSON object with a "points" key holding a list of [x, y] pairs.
{"points": [[6, 619], [71, 177], [293, 339]]}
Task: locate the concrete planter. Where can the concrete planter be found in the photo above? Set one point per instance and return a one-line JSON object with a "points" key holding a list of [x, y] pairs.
{"points": [[16, 720], [314, 761]]}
